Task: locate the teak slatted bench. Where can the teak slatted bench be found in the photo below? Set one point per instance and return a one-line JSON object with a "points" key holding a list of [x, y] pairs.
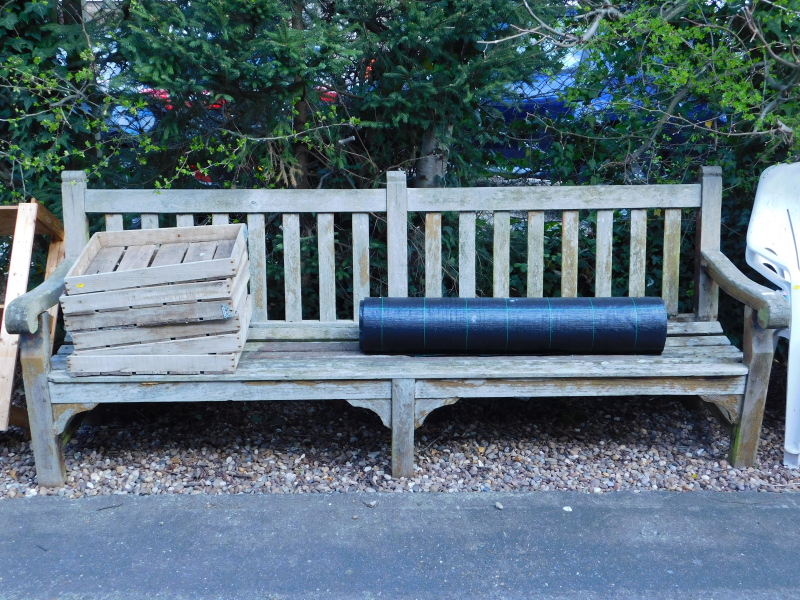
{"points": [[296, 359]]}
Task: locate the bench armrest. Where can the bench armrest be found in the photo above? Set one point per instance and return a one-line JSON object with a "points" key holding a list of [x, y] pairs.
{"points": [[771, 306], [22, 314]]}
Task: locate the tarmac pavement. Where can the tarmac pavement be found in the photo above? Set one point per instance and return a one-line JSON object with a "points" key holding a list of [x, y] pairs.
{"points": [[407, 546]]}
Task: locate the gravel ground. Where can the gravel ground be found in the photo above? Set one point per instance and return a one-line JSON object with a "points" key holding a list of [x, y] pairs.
{"points": [[476, 445]]}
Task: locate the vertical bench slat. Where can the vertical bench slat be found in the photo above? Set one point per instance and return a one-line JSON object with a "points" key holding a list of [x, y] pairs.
{"points": [[291, 266], [149, 221], [114, 223], [535, 254], [76, 224], [360, 260], [636, 285], [433, 255], [708, 238], [569, 253], [184, 220], [672, 256], [502, 253], [257, 251], [603, 242], [327, 267], [466, 254], [397, 233], [220, 219]]}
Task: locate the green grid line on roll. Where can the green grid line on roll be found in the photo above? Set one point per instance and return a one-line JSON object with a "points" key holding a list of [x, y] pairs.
{"points": [[636, 321], [591, 304]]}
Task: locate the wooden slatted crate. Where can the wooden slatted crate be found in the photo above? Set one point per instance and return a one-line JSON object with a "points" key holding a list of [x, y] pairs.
{"points": [[159, 301]]}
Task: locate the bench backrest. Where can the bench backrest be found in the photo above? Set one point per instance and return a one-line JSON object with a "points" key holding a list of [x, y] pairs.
{"points": [[394, 203]]}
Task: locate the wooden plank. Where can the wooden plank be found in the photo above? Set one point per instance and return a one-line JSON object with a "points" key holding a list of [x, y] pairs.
{"points": [[569, 254], [114, 223], [136, 257], [200, 251], [169, 235], [105, 261], [535, 283], [327, 267], [554, 387], [224, 248], [700, 340], [46, 222], [55, 254], [149, 221], [235, 201], [184, 220], [257, 252], [708, 240], [152, 365], [501, 254], [636, 284], [220, 219], [466, 254], [291, 267], [169, 254], [19, 267], [433, 255], [210, 344], [76, 225], [562, 197], [403, 428], [397, 233], [603, 247], [693, 328], [213, 391], [97, 338], [759, 350], [672, 258], [360, 260], [48, 453]]}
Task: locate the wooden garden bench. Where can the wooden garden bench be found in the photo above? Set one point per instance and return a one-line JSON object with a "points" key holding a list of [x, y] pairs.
{"points": [[297, 359]]}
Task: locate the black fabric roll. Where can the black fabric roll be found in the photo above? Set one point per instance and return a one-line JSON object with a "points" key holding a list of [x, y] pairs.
{"points": [[512, 325]]}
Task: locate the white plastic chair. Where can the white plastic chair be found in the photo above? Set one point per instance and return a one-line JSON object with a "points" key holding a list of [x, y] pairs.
{"points": [[773, 241]]}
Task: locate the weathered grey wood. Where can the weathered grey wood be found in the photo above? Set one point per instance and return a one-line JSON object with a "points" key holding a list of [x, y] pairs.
{"points": [[22, 314], [360, 260], [184, 220], [569, 254], [708, 240], [603, 248], [47, 451], [305, 330], [169, 254], [114, 223], [759, 350], [138, 257], [535, 283], [235, 201], [555, 387], [433, 255], [380, 406], [149, 221], [638, 249], [79, 364], [169, 235], [700, 340], [128, 390], [224, 248], [105, 261], [257, 252], [397, 233], [64, 413], [76, 224], [672, 260], [466, 254], [680, 327], [501, 254], [425, 406], [200, 251], [772, 308], [403, 428], [291, 267], [327, 267], [586, 197], [728, 407], [207, 344], [220, 219]]}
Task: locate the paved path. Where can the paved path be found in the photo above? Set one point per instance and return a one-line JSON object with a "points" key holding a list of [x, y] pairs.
{"points": [[460, 546]]}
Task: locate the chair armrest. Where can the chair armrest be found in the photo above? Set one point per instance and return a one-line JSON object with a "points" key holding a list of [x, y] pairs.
{"points": [[22, 314], [771, 306]]}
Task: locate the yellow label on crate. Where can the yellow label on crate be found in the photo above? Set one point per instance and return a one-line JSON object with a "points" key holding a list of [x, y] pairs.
{"points": [[797, 287], [78, 285]]}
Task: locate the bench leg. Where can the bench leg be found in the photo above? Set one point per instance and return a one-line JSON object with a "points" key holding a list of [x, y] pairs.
{"points": [[47, 451], [402, 427], [759, 349]]}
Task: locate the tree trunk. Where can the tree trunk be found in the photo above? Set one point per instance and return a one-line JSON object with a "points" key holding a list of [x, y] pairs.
{"points": [[431, 166]]}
